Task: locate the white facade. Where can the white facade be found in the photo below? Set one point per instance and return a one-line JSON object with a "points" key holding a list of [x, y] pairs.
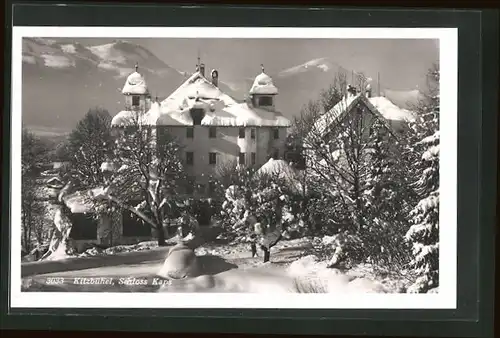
{"points": [[213, 128]]}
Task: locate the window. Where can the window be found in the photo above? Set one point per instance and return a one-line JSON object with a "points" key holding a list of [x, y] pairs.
{"points": [[212, 158], [189, 158], [212, 132], [276, 154], [276, 133], [252, 133], [241, 158], [133, 226], [136, 100], [254, 158], [84, 226], [197, 114], [190, 132], [242, 133], [265, 101]]}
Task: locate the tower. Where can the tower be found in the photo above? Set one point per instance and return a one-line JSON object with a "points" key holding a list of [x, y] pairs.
{"points": [[263, 91], [136, 92]]}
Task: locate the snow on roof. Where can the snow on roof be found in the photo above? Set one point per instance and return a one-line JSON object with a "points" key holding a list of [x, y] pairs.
{"points": [[324, 121], [276, 167], [195, 86], [124, 118], [197, 92], [135, 84], [54, 180], [243, 115], [282, 169], [263, 84], [54, 183], [378, 105], [79, 202], [389, 110]]}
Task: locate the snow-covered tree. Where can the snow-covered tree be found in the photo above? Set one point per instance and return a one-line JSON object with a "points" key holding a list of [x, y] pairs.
{"points": [[358, 184], [33, 152], [424, 231], [145, 176], [258, 208], [89, 145]]}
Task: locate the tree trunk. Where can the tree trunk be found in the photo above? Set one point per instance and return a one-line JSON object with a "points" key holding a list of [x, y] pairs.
{"points": [[160, 236], [267, 254]]}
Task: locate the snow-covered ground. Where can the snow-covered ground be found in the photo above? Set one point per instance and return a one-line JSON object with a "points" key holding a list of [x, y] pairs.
{"points": [[293, 265]]}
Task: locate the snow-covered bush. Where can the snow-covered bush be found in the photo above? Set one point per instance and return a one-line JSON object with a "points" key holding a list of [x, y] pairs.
{"points": [[257, 197]]}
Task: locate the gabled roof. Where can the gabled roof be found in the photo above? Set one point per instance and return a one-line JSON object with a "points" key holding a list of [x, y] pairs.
{"points": [[196, 86], [381, 107]]}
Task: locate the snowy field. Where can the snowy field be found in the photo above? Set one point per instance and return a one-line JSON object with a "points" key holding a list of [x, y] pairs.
{"points": [[295, 267]]}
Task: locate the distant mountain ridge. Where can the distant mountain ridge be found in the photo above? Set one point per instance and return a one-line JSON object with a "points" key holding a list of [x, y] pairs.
{"points": [[62, 80]]}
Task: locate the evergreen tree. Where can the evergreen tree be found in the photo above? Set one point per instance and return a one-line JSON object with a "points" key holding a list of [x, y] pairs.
{"points": [[424, 231]]}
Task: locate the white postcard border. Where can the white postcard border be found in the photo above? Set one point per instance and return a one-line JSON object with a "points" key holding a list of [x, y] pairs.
{"points": [[445, 299]]}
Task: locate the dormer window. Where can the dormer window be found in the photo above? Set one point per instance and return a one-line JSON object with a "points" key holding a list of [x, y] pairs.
{"points": [[265, 101], [197, 114], [136, 99]]}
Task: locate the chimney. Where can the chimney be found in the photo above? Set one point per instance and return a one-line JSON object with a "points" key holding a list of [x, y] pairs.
{"points": [[202, 69], [215, 77], [351, 91], [368, 91]]}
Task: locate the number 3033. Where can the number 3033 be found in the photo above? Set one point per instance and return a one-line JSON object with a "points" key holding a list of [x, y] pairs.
{"points": [[56, 280]]}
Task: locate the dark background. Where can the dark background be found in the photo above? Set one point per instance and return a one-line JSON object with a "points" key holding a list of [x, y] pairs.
{"points": [[478, 91]]}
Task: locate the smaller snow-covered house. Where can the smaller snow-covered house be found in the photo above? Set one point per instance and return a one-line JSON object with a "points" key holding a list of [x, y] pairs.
{"points": [[213, 128], [371, 108], [106, 230], [352, 120]]}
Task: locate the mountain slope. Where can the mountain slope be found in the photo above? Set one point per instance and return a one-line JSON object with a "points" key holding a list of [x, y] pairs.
{"points": [[63, 79], [299, 84]]}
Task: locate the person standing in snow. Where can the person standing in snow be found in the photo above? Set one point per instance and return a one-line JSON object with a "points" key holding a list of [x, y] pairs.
{"points": [[255, 236]]}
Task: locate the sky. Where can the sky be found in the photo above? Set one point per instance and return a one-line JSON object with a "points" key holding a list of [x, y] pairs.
{"points": [[401, 63]]}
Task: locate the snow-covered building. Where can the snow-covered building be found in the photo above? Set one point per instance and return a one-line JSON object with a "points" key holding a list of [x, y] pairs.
{"points": [[372, 108], [213, 128], [106, 229]]}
